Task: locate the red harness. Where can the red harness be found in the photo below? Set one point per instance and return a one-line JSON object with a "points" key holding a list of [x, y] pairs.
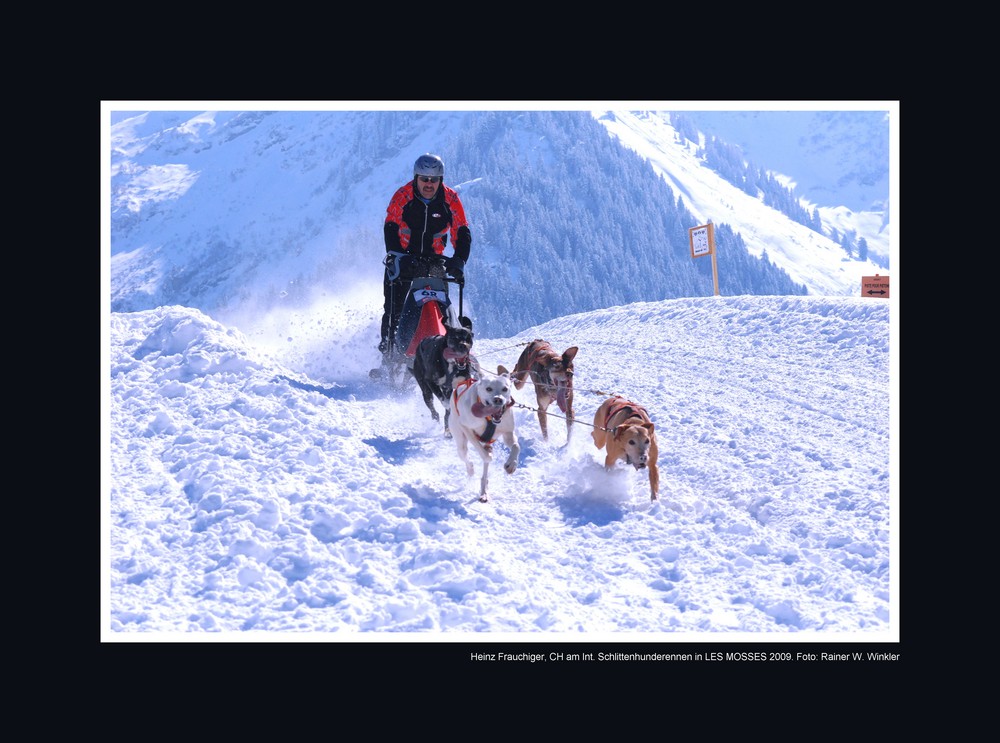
{"points": [[539, 350], [545, 349], [619, 404]]}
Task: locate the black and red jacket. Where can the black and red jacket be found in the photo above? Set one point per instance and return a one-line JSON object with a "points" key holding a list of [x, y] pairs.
{"points": [[412, 226]]}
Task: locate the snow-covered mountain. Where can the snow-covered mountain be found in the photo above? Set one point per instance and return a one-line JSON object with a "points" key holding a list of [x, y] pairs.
{"points": [[806, 256], [832, 157], [239, 213]]}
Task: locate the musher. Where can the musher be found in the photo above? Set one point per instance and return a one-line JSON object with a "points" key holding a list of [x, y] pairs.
{"points": [[418, 220]]}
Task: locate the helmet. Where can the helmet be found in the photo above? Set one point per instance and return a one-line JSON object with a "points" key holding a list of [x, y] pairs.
{"points": [[429, 164]]}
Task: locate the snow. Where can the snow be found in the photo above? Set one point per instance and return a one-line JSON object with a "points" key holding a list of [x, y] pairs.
{"points": [[809, 258], [249, 501]]}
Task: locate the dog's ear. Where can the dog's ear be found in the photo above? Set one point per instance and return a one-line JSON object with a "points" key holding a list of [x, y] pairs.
{"points": [[649, 427], [502, 370], [465, 322], [569, 354]]}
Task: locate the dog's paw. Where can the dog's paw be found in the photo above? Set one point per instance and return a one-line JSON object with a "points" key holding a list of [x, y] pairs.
{"points": [[484, 498], [509, 467], [447, 434]]}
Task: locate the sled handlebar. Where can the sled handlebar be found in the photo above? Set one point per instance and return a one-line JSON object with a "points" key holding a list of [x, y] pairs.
{"points": [[418, 265]]}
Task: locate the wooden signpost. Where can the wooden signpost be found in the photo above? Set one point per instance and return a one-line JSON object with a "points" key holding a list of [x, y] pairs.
{"points": [[703, 243]]}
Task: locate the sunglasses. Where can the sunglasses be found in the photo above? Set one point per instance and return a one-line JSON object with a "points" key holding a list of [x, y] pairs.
{"points": [[430, 179]]}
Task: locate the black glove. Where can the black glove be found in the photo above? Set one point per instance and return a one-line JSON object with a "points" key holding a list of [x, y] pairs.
{"points": [[455, 266]]}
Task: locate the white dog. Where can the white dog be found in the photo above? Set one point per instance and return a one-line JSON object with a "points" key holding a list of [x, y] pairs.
{"points": [[480, 413]]}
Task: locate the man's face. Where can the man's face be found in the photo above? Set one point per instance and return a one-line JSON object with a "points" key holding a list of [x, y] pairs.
{"points": [[428, 185]]}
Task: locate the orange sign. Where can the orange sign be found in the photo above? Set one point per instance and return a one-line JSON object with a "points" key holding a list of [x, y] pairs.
{"points": [[875, 286]]}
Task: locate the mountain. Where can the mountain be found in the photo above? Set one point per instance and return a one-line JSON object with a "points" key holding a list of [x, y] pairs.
{"points": [[832, 158], [247, 213], [841, 159]]}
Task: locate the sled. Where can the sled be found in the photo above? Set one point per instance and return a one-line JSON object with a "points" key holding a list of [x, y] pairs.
{"points": [[426, 310]]}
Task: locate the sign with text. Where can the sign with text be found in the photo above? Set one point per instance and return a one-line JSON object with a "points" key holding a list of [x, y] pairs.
{"points": [[875, 286], [702, 240], [703, 243]]}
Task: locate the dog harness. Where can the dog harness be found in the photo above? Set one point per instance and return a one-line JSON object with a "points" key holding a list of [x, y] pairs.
{"points": [[493, 414], [457, 364], [619, 404], [541, 349], [544, 348]]}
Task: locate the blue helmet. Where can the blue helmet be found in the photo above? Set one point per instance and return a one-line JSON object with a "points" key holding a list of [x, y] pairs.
{"points": [[429, 164]]}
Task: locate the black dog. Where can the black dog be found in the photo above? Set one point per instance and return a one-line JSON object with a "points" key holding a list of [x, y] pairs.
{"points": [[442, 359]]}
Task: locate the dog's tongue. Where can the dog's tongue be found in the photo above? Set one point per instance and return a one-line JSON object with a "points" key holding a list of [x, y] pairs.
{"points": [[561, 396], [486, 411], [451, 355]]}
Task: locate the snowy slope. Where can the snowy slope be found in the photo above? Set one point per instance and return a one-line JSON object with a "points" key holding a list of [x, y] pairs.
{"points": [[247, 500], [809, 258], [835, 154]]}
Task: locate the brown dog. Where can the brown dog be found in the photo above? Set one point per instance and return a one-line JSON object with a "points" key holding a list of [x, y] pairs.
{"points": [[625, 429], [552, 374]]}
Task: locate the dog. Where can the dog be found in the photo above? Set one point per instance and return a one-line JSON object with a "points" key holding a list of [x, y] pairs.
{"points": [[439, 361], [481, 412], [552, 375], [627, 433]]}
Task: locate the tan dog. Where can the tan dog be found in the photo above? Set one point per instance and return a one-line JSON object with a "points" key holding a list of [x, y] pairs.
{"points": [[625, 429], [480, 412], [552, 374]]}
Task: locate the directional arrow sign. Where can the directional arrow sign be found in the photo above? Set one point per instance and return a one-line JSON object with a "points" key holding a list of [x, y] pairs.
{"points": [[875, 286]]}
